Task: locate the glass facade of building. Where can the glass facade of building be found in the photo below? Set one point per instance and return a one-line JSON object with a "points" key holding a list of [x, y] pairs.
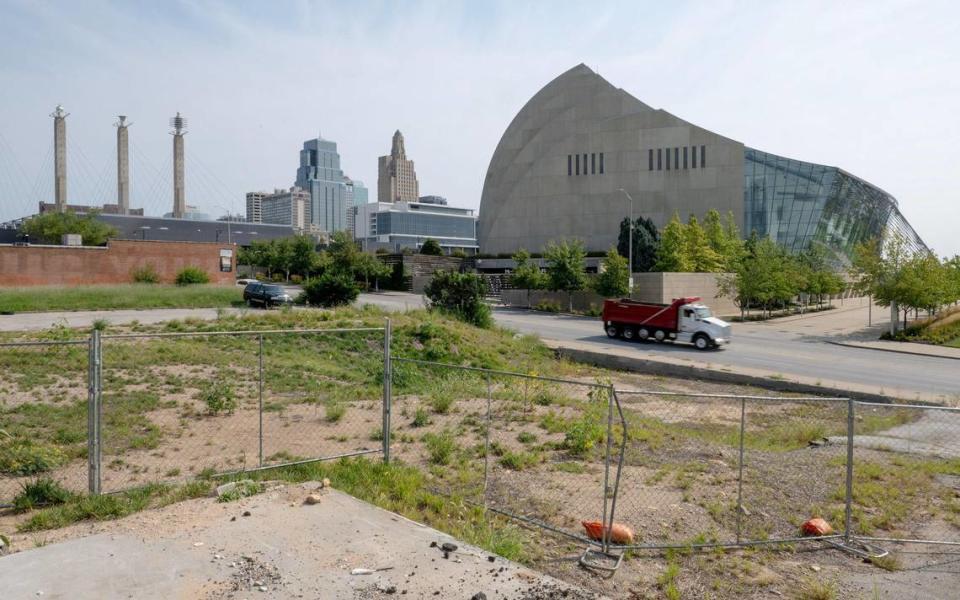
{"points": [[426, 225], [798, 204]]}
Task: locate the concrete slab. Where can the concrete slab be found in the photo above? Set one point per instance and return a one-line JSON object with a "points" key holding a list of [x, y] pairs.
{"points": [[934, 434], [284, 549]]}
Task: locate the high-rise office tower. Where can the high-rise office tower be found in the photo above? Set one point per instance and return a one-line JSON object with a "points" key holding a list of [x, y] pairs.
{"points": [[320, 175], [356, 196], [397, 179], [255, 206]]}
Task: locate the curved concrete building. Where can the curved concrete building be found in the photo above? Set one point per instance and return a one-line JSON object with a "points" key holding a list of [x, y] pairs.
{"points": [[558, 169]]}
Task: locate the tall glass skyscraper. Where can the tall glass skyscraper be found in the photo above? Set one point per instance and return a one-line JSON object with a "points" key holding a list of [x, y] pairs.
{"points": [[320, 174], [356, 196]]}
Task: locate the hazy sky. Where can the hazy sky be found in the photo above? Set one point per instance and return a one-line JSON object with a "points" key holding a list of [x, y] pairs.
{"points": [[871, 87]]}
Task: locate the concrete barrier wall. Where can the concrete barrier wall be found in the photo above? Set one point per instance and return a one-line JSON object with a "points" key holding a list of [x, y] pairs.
{"points": [[660, 288], [582, 301], [111, 264]]}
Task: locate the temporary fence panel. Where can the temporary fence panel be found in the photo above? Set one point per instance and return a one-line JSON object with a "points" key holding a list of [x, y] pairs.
{"points": [[738, 469], [44, 390], [906, 474], [117, 411], [529, 447], [176, 406], [322, 395]]}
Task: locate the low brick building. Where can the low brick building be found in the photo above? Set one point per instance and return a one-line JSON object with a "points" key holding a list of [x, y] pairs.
{"points": [[115, 263]]}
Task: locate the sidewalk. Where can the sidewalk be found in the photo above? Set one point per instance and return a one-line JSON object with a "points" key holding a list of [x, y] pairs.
{"points": [[901, 347]]}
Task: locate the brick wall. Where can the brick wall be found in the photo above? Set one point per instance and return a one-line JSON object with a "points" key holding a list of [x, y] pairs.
{"points": [[115, 263]]}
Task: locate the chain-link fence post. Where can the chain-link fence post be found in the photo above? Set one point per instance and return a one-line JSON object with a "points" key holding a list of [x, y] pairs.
{"points": [[848, 509], [260, 402], [94, 398], [387, 389], [486, 440], [608, 527], [743, 425]]}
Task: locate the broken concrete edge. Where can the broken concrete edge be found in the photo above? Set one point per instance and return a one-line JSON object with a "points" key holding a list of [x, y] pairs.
{"points": [[705, 373], [894, 350]]}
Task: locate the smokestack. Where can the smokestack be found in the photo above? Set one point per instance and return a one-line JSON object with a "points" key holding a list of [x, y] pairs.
{"points": [[60, 158], [179, 125], [123, 166]]}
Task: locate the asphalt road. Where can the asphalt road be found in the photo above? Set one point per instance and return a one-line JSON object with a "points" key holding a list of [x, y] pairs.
{"points": [[778, 350]]}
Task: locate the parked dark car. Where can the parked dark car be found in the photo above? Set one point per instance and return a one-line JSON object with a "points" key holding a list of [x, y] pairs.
{"points": [[265, 294]]}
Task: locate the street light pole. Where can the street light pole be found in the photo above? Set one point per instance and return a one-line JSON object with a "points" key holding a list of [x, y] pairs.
{"points": [[229, 216], [629, 242]]}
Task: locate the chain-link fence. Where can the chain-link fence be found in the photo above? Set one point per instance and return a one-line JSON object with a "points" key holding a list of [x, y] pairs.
{"points": [[680, 469], [717, 469], [180, 405], [43, 413], [530, 447], [906, 474]]}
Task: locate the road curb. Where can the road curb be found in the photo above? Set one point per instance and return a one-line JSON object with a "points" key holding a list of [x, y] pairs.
{"points": [[894, 350], [656, 367]]}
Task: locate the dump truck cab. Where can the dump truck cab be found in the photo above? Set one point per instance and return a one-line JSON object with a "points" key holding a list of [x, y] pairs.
{"points": [[699, 327]]}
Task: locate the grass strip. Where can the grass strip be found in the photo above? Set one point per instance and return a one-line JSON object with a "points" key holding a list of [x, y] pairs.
{"points": [[117, 297]]}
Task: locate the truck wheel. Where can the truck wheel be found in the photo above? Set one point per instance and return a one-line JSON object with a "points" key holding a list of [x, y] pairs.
{"points": [[629, 334], [702, 342], [660, 335], [612, 331], [643, 333]]}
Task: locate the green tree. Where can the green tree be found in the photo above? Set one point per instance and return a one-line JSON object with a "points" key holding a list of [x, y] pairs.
{"points": [[646, 238], [672, 254], [333, 288], [461, 295], [431, 247], [343, 252], [526, 274], [818, 278], [566, 267], [281, 256], [952, 267], [764, 277], [879, 269], [49, 228], [613, 280], [367, 266], [304, 260], [256, 255], [703, 258], [724, 239]]}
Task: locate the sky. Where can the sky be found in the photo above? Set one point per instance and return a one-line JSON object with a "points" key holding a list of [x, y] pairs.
{"points": [[871, 87]]}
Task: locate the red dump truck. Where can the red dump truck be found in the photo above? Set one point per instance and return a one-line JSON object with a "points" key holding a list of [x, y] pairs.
{"points": [[684, 320]]}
